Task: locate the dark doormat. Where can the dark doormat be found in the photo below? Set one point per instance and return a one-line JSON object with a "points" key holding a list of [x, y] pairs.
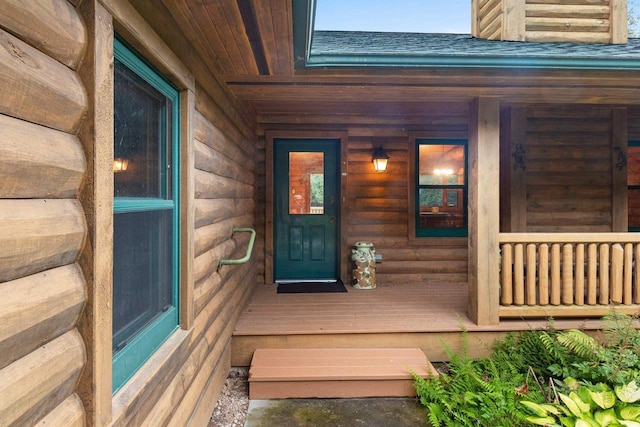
{"points": [[310, 287]]}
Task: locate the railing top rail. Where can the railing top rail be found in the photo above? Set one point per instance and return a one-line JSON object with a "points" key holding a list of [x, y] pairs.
{"points": [[569, 237]]}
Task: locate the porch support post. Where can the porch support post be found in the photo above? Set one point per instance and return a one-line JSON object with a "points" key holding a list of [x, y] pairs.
{"points": [[484, 210]]}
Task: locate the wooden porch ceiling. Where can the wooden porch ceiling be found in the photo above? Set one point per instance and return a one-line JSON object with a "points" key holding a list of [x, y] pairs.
{"points": [[248, 45]]}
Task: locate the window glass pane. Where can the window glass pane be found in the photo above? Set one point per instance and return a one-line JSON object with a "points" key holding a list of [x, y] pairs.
{"points": [[441, 164], [142, 264], [306, 183], [633, 165], [634, 208], [141, 132]]}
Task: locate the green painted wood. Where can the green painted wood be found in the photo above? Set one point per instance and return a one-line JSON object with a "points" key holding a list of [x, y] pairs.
{"points": [[306, 245], [128, 359]]}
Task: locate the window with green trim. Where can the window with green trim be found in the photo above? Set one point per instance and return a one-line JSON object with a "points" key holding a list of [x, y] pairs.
{"points": [[145, 212], [633, 185], [441, 188]]}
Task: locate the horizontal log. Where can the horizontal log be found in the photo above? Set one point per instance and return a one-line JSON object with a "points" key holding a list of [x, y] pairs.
{"points": [[37, 309], [212, 235], [144, 389], [35, 385], [206, 264], [567, 11], [69, 413], [209, 211], [209, 160], [38, 162], [37, 235], [37, 88], [568, 37], [569, 237], [215, 138], [210, 186], [567, 24], [51, 26]]}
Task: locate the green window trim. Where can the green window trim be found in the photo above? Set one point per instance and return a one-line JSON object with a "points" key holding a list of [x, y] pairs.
{"points": [[421, 231], [128, 360]]}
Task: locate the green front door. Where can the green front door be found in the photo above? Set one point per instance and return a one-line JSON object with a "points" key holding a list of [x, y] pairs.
{"points": [[306, 208]]}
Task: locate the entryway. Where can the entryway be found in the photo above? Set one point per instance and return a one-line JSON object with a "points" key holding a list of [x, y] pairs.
{"points": [[306, 209]]}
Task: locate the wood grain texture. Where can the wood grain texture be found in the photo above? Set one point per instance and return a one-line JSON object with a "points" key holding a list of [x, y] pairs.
{"points": [[38, 162], [36, 384], [51, 26], [38, 308], [37, 235], [96, 198], [69, 413], [37, 88]]}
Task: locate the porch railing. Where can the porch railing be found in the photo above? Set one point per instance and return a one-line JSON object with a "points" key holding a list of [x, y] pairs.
{"points": [[568, 274]]}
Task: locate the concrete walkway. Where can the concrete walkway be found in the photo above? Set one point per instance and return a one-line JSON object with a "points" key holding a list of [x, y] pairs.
{"points": [[370, 412]]}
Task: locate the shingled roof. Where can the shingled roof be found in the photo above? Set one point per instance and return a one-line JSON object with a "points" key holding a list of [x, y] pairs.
{"points": [[356, 48]]}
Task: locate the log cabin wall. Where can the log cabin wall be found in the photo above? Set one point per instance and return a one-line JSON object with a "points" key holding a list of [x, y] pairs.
{"points": [[561, 173], [42, 223], [376, 204], [56, 196], [580, 21]]}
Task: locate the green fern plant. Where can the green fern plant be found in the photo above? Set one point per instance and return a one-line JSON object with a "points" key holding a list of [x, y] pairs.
{"points": [[477, 392]]}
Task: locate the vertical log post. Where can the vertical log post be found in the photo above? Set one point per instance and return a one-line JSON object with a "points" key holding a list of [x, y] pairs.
{"points": [[543, 273], [484, 211]]}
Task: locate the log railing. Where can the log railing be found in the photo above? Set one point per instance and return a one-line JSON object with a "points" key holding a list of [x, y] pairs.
{"points": [[568, 273]]}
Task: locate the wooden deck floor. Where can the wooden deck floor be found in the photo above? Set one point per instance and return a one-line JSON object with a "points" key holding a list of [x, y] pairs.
{"points": [[405, 315]]}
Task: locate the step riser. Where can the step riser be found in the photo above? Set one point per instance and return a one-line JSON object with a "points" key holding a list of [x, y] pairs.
{"points": [[336, 373], [330, 389]]}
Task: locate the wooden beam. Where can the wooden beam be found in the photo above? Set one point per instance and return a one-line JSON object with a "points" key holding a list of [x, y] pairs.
{"points": [[620, 201], [618, 19], [517, 164], [484, 166], [96, 197], [187, 200], [513, 20]]}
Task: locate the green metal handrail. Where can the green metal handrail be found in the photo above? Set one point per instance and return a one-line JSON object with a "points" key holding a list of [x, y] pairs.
{"points": [[246, 257]]}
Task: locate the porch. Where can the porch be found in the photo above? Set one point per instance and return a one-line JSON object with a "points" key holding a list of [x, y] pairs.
{"points": [[407, 315]]}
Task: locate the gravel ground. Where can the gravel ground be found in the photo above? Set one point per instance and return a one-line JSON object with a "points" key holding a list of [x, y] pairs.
{"points": [[231, 410]]}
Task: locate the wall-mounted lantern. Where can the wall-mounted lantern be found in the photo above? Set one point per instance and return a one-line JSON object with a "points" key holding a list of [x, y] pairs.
{"points": [[120, 165], [380, 160]]}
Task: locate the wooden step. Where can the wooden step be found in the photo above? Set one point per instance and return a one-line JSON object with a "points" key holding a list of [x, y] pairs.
{"points": [[336, 372]]}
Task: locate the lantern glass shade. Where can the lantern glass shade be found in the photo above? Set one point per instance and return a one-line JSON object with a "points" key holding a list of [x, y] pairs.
{"points": [[120, 164], [380, 160]]}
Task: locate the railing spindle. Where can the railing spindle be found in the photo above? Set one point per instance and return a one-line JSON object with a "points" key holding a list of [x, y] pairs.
{"points": [[531, 274], [555, 274], [507, 274], [567, 274], [617, 264], [592, 274], [543, 273], [518, 267], [579, 272], [604, 274], [627, 298], [636, 282]]}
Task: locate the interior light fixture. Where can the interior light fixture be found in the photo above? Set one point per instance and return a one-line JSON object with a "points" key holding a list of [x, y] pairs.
{"points": [[380, 160], [120, 165], [443, 172]]}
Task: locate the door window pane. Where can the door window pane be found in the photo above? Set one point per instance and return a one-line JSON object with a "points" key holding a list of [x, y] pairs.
{"points": [[306, 183]]}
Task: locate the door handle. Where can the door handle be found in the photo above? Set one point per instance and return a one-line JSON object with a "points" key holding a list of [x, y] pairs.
{"points": [[332, 220]]}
